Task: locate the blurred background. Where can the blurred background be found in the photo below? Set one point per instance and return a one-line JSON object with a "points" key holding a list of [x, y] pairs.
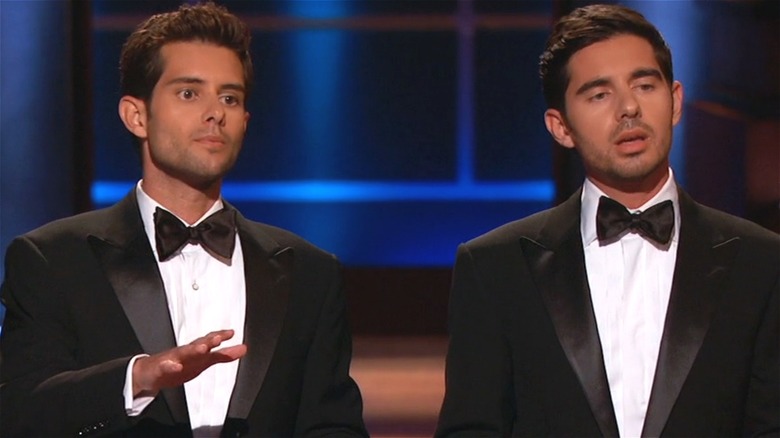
{"points": [[386, 132]]}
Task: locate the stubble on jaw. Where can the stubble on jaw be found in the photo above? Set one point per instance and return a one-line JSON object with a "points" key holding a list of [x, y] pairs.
{"points": [[630, 173]]}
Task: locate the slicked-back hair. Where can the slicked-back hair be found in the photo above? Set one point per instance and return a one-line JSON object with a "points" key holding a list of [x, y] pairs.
{"points": [[140, 63], [586, 26]]}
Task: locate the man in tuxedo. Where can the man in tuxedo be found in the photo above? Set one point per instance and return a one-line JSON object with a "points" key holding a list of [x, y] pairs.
{"points": [[169, 313], [628, 310]]}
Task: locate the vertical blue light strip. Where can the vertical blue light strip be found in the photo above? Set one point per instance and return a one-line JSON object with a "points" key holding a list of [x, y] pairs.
{"points": [[465, 99], [681, 24], [318, 60], [36, 180]]}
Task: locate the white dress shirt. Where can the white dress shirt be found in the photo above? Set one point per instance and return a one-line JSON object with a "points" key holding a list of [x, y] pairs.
{"points": [[630, 283], [204, 294]]}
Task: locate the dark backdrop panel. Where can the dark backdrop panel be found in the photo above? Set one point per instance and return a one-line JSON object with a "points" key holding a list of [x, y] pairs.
{"points": [[512, 142], [352, 105]]}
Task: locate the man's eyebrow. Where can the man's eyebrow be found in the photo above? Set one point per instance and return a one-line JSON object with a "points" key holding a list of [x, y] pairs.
{"points": [[233, 87], [185, 80], [647, 72], [598, 82], [198, 81]]}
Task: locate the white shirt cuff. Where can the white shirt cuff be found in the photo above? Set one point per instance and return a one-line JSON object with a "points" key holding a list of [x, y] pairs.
{"points": [[134, 406]]}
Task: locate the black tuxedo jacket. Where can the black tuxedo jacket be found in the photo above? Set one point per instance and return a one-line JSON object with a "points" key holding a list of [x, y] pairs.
{"points": [[84, 294], [525, 357]]}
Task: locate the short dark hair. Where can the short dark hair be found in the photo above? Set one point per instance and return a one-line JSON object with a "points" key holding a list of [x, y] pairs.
{"points": [[586, 26], [140, 63]]}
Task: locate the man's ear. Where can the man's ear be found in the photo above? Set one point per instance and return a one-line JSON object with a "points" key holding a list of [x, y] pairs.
{"points": [[556, 125], [133, 113], [677, 102]]}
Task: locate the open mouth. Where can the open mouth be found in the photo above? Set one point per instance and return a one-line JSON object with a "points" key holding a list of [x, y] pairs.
{"points": [[631, 137]]}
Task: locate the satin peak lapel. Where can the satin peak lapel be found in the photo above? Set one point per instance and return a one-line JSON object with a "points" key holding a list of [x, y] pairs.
{"points": [[268, 277], [129, 265], [558, 263], [704, 260]]}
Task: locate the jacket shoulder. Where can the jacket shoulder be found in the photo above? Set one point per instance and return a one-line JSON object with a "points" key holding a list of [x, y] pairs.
{"points": [[531, 227], [73, 227], [287, 239], [730, 226]]}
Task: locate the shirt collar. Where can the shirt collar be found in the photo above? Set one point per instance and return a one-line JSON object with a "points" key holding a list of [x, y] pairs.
{"points": [[590, 205]]}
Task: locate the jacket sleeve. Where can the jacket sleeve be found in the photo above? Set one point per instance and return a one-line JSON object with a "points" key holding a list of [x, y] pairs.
{"points": [[478, 394], [43, 391], [762, 408], [330, 403]]}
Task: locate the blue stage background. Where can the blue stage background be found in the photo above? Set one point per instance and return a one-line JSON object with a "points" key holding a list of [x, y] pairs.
{"points": [[386, 132], [383, 141]]}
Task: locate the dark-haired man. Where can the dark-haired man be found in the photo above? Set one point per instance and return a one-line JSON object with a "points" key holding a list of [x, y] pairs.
{"points": [[629, 310], [169, 313]]}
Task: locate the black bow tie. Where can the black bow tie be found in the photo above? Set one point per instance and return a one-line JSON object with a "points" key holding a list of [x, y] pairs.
{"points": [[655, 223], [217, 233]]}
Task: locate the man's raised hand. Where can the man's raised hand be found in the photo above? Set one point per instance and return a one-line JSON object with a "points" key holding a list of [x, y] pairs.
{"points": [[173, 367]]}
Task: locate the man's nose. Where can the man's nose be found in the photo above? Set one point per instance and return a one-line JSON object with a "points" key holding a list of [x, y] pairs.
{"points": [[214, 113], [629, 106]]}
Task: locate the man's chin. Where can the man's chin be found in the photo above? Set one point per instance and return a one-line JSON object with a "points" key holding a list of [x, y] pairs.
{"points": [[638, 177], [204, 181]]}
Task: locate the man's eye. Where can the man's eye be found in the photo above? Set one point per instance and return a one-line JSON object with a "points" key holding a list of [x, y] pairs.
{"points": [[230, 100], [599, 96], [187, 94], [646, 87]]}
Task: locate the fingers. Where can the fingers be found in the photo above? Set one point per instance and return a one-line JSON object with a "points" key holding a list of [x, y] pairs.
{"points": [[213, 339], [229, 354], [178, 365], [201, 354], [204, 349], [205, 346]]}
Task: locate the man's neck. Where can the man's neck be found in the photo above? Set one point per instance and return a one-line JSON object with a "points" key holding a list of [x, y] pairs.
{"points": [[633, 194], [187, 202]]}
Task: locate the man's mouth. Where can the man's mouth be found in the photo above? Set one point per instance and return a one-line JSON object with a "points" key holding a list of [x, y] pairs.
{"points": [[632, 136], [211, 139]]}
